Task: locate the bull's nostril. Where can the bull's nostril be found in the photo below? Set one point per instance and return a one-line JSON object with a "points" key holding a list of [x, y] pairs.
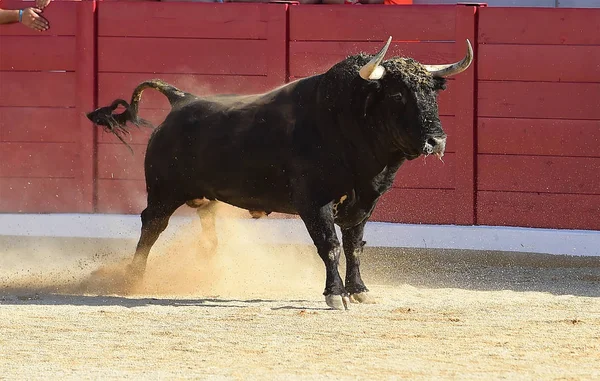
{"points": [[434, 145], [432, 142]]}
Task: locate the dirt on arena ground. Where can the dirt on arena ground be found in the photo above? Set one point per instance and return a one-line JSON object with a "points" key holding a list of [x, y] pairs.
{"points": [[258, 313]]}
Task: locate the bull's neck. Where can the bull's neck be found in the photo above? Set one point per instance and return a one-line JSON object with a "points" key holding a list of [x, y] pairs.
{"points": [[368, 152], [364, 148], [381, 150]]}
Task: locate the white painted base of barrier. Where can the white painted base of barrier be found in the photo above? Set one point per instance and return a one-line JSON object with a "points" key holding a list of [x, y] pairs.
{"points": [[546, 241]]}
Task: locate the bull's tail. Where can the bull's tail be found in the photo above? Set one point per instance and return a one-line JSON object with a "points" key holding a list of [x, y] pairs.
{"points": [[116, 123]]}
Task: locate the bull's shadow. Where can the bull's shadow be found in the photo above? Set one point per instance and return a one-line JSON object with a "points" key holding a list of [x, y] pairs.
{"points": [[484, 270], [44, 297]]}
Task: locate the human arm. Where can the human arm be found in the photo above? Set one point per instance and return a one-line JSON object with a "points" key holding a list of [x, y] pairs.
{"points": [[29, 17], [9, 16]]}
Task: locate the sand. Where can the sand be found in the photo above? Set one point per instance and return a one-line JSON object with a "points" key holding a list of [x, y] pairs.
{"points": [[258, 313]]}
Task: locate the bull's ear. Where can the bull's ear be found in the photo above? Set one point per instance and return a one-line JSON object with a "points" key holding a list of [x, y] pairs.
{"points": [[368, 94], [439, 83]]}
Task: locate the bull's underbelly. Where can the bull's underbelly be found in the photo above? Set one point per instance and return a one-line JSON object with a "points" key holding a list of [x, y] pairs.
{"points": [[267, 190], [258, 205], [347, 211], [257, 192]]}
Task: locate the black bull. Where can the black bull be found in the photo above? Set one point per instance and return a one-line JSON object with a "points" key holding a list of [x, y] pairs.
{"points": [[324, 147]]}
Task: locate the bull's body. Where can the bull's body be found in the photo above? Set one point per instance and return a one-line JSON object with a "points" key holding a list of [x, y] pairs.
{"points": [[225, 150], [324, 147]]}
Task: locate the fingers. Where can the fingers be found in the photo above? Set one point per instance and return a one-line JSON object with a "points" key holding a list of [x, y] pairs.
{"points": [[42, 3], [38, 24], [33, 20]]}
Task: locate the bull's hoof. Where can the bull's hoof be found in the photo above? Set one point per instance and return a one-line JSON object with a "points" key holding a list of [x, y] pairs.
{"points": [[361, 297], [337, 302]]}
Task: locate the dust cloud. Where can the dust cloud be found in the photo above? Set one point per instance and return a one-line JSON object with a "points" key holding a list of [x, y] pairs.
{"points": [[178, 265], [237, 268]]}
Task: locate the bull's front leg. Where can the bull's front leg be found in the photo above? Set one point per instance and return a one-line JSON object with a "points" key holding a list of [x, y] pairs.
{"points": [[352, 239], [320, 226]]}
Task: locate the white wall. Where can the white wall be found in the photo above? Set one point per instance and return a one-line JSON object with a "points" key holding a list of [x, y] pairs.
{"points": [[579, 3], [292, 231]]}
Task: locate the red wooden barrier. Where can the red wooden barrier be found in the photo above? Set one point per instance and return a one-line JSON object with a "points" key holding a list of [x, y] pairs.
{"points": [[425, 191], [539, 117], [200, 48], [523, 122], [46, 83]]}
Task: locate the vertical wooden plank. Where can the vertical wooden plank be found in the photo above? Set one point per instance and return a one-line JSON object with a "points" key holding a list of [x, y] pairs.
{"points": [[86, 101], [464, 136], [277, 44]]}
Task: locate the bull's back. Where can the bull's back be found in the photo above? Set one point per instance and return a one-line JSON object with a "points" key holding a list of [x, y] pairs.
{"points": [[238, 155]]}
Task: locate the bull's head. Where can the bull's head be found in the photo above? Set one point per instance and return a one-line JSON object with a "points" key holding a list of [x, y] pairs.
{"points": [[400, 94]]}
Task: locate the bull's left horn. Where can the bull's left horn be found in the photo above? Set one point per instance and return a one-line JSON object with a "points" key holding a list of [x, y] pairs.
{"points": [[452, 69], [372, 70]]}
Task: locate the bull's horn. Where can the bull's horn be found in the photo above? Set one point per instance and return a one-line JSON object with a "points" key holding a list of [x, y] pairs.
{"points": [[372, 70], [452, 69]]}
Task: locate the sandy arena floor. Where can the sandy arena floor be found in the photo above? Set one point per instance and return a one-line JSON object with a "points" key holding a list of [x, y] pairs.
{"points": [[258, 313]]}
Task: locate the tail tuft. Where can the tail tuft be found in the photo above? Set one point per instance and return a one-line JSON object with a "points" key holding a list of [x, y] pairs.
{"points": [[116, 123]]}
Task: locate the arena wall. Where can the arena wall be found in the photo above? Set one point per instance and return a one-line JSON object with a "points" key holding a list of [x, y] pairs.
{"points": [[523, 122], [47, 82], [538, 117]]}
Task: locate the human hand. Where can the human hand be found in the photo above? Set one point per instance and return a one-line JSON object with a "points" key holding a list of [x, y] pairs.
{"points": [[41, 4], [32, 19]]}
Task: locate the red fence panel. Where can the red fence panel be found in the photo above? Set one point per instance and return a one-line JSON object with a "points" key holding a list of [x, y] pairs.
{"points": [[200, 48], [425, 191], [46, 83], [523, 122], [539, 117]]}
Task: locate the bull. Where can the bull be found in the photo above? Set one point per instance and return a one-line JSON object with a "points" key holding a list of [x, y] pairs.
{"points": [[325, 147]]}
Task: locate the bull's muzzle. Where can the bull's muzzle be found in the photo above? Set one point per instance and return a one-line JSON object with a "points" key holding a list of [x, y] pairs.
{"points": [[435, 146]]}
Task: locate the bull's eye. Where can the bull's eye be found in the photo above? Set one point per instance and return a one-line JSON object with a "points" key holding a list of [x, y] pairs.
{"points": [[399, 97]]}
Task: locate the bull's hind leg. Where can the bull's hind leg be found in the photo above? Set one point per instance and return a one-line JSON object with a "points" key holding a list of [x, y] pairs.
{"points": [[206, 211], [353, 243], [155, 219]]}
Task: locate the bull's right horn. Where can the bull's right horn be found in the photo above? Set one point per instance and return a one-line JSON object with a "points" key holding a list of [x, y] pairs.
{"points": [[372, 70], [452, 69]]}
